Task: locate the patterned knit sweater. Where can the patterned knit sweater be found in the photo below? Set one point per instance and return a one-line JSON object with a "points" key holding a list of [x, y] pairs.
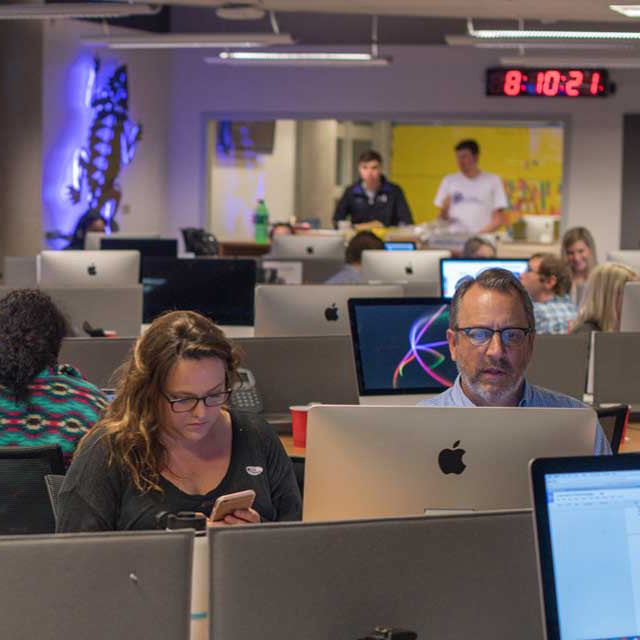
{"points": [[62, 406]]}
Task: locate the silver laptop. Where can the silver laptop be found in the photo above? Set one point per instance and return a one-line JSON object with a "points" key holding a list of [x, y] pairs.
{"points": [[97, 585], [96, 358], [93, 238], [402, 266], [400, 349], [630, 316], [457, 577], [629, 257], [88, 268], [365, 462], [309, 309], [307, 246], [588, 535]]}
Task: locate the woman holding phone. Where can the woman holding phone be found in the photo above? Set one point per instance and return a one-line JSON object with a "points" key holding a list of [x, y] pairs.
{"points": [[168, 442]]}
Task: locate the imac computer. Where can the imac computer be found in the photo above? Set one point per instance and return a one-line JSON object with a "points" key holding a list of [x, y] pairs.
{"points": [[452, 270], [374, 462], [400, 348], [307, 246], [220, 288], [397, 245], [630, 317], [93, 238], [402, 266], [88, 268], [310, 309]]}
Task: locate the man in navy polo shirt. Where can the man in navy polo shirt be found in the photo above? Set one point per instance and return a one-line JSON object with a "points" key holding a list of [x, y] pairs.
{"points": [[373, 201]]}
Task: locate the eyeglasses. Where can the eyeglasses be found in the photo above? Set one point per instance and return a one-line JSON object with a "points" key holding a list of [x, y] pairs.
{"points": [[183, 405], [509, 336]]}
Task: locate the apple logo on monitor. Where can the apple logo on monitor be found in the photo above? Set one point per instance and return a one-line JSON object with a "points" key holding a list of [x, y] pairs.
{"points": [[309, 249], [409, 269], [450, 460], [92, 270], [331, 313]]}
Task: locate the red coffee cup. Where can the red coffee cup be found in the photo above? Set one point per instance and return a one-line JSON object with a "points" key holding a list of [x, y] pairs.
{"points": [[299, 425]]}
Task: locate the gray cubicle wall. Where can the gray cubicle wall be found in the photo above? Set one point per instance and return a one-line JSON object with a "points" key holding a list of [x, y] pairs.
{"points": [[616, 369], [291, 371], [445, 578], [97, 586], [560, 363], [96, 358]]}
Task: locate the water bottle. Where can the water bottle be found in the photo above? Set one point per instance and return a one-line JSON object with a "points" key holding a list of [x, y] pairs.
{"points": [[261, 221]]}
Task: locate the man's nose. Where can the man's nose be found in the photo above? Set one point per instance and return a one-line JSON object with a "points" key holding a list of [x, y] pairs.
{"points": [[495, 346]]}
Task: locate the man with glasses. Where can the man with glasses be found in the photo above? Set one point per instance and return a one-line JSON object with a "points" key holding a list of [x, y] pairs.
{"points": [[491, 335]]}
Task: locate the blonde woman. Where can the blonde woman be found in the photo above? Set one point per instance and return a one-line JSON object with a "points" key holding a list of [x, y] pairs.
{"points": [[168, 442], [579, 250], [602, 304]]}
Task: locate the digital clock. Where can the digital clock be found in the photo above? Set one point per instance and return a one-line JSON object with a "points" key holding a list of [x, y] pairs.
{"points": [[565, 83]]}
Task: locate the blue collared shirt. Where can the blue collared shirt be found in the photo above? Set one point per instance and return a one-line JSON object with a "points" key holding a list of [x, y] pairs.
{"points": [[532, 396], [555, 315]]}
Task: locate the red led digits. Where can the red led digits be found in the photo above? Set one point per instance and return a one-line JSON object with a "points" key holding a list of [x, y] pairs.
{"points": [[595, 79], [539, 82], [572, 86], [551, 83], [512, 81]]}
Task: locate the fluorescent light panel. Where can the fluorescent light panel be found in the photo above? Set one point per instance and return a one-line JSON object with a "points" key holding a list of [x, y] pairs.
{"points": [[522, 34], [80, 10], [299, 58], [629, 10], [556, 62], [189, 40], [469, 41]]}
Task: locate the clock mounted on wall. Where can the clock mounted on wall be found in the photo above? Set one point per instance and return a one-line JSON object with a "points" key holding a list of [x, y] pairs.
{"points": [[516, 82]]}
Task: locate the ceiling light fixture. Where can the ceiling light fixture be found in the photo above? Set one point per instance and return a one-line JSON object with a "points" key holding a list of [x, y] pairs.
{"points": [[299, 58], [568, 62], [80, 10], [628, 10], [188, 40]]}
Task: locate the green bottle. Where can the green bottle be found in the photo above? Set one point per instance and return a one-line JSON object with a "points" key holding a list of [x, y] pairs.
{"points": [[261, 222]]}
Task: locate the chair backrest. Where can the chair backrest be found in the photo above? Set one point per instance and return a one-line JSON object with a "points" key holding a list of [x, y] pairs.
{"points": [[24, 502], [616, 368], [613, 421], [560, 363], [53, 483]]}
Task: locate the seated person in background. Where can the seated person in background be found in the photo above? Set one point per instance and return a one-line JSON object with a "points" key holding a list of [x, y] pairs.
{"points": [[168, 442], [548, 280], [601, 307], [41, 402], [491, 335], [477, 247], [579, 250], [373, 201], [281, 229], [350, 273], [90, 221]]}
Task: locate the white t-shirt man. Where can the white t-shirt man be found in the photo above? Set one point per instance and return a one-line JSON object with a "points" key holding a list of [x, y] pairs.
{"points": [[472, 201]]}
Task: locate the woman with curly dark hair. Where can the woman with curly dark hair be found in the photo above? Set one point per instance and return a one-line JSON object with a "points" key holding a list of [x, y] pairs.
{"points": [[41, 402], [169, 443]]}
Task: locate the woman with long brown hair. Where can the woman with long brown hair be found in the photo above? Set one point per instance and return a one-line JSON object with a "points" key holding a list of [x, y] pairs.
{"points": [[168, 442]]}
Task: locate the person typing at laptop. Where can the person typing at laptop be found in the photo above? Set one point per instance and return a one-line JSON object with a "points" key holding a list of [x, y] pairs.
{"points": [[167, 442], [491, 335]]}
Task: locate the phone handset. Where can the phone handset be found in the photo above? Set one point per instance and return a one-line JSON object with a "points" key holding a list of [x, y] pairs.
{"points": [[245, 396]]}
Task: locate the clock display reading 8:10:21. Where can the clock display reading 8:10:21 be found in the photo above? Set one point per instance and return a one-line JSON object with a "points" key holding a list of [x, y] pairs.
{"points": [[566, 83]]}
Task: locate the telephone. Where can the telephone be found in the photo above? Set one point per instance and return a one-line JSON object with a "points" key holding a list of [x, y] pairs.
{"points": [[244, 396], [199, 241]]}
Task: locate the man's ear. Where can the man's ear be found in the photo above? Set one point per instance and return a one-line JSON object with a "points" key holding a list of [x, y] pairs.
{"points": [[451, 339], [551, 282]]}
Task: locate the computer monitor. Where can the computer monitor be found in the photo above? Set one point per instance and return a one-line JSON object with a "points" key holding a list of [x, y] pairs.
{"points": [[588, 536], [452, 270], [220, 288], [93, 239], [630, 316], [629, 257], [400, 346], [310, 309], [396, 245], [455, 577], [307, 246], [88, 268], [101, 586], [402, 266], [373, 462]]}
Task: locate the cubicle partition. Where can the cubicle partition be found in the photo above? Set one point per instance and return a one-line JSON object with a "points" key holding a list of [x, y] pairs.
{"points": [[616, 369]]}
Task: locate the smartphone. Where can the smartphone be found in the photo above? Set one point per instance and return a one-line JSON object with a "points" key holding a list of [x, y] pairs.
{"points": [[229, 503]]}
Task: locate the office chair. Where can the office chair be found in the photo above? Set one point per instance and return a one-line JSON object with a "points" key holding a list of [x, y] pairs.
{"points": [[53, 483], [24, 502], [613, 420]]}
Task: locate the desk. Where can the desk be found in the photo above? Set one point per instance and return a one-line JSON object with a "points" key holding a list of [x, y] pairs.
{"points": [[248, 249], [292, 451]]}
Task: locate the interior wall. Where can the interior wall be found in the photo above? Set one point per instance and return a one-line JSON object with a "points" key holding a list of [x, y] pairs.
{"points": [[20, 137], [238, 181], [423, 84], [67, 120]]}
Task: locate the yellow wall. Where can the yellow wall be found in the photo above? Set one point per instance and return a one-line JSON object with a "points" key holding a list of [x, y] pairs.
{"points": [[528, 159]]}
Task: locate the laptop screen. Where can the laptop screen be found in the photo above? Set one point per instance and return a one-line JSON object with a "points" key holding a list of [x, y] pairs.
{"points": [[589, 536], [452, 270], [400, 345]]}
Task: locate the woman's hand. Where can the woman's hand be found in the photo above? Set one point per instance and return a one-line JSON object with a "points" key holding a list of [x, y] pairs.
{"points": [[240, 516]]}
